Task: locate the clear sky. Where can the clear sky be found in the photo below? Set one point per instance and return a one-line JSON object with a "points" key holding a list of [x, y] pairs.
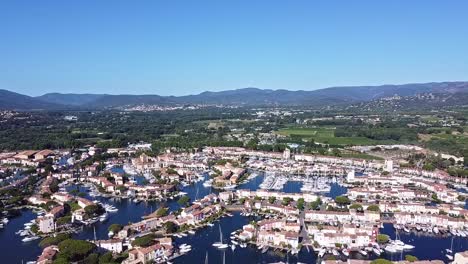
{"points": [[183, 47]]}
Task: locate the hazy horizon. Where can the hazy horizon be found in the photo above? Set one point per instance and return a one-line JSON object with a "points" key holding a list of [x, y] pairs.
{"points": [[202, 91]]}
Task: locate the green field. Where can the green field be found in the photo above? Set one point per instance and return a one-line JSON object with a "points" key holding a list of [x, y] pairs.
{"points": [[308, 132], [327, 136]]}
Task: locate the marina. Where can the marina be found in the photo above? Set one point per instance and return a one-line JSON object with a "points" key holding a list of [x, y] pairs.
{"points": [[202, 240]]}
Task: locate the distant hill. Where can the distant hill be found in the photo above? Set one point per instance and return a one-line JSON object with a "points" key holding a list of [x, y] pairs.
{"points": [[15, 101], [432, 100], [244, 96], [69, 99]]}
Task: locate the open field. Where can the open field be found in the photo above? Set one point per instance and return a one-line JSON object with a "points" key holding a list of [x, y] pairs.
{"points": [[327, 136]]}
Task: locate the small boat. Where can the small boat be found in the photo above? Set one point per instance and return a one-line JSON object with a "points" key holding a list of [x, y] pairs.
{"points": [[436, 230], [406, 229], [230, 187], [322, 252], [103, 217], [223, 246], [408, 246], [363, 252], [243, 245], [233, 247], [191, 232], [110, 234], [450, 257], [391, 249], [265, 249], [208, 183], [376, 251], [27, 239], [210, 224], [185, 250]]}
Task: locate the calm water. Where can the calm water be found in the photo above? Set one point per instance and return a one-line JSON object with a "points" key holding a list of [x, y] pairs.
{"points": [[15, 251]]}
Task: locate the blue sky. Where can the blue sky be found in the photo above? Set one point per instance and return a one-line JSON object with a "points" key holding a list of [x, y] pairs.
{"points": [[185, 47]]}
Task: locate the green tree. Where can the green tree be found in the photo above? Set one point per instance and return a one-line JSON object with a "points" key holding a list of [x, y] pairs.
{"points": [[106, 258], [381, 261], [144, 241], [373, 208], [286, 200], [115, 228], [170, 227], [316, 204], [184, 200], [411, 258], [300, 204], [272, 199], [342, 200], [382, 238], [92, 259], [161, 212], [75, 250], [356, 206], [53, 240], [93, 209]]}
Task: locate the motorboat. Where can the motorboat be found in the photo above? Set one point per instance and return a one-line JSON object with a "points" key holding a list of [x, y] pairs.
{"points": [[208, 183], [185, 250], [322, 252], [376, 251], [391, 248], [230, 187], [27, 239], [104, 217]]}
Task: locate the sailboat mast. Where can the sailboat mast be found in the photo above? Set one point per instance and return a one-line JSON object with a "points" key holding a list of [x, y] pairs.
{"points": [[220, 234]]}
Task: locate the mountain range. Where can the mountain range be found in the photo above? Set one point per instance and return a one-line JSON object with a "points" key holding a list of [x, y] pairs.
{"points": [[245, 96]]}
